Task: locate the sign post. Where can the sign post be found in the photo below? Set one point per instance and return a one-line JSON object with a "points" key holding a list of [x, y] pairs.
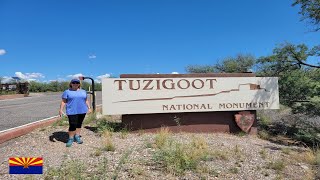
{"points": [[91, 92]]}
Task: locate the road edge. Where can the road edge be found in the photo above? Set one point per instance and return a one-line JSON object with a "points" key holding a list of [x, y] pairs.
{"points": [[15, 132]]}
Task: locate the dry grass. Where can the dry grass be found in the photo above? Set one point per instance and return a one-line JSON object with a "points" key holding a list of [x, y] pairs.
{"points": [[176, 157], [263, 153], [164, 156], [219, 154], [307, 156], [162, 137], [107, 143], [277, 165]]}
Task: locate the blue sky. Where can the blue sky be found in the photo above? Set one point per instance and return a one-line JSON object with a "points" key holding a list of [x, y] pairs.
{"points": [[56, 39]]}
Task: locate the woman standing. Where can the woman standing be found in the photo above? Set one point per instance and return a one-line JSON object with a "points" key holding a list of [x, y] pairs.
{"points": [[77, 105]]}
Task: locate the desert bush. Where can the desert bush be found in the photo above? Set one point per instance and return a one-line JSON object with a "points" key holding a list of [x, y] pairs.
{"points": [[105, 124], [162, 137], [301, 128], [177, 158], [107, 143]]}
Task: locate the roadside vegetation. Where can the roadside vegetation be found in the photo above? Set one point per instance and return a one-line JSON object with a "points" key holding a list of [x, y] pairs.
{"points": [[142, 155]]}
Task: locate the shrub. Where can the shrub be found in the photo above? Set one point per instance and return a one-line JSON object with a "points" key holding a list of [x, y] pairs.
{"points": [[298, 127], [105, 124], [278, 165], [107, 144], [162, 137], [177, 157], [263, 120]]}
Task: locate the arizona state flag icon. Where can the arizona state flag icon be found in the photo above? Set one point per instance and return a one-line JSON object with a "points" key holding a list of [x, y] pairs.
{"points": [[25, 165]]}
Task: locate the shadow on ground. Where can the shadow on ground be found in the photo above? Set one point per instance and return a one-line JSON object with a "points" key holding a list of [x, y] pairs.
{"points": [[61, 136], [103, 125], [90, 128]]}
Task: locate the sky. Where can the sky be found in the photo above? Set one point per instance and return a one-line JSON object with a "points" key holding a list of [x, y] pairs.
{"points": [[61, 39]]}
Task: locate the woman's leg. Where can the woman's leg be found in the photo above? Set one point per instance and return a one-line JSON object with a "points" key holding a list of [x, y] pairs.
{"points": [[72, 125], [72, 129], [79, 123], [78, 128]]}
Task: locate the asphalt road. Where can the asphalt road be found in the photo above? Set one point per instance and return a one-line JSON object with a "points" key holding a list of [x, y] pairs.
{"points": [[17, 112]]}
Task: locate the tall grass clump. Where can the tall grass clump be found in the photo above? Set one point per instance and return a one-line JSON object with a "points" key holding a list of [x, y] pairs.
{"points": [[277, 165], [162, 137], [107, 143], [177, 158]]}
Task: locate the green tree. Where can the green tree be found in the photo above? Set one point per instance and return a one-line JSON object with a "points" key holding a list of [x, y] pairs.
{"points": [[64, 85], [38, 87], [53, 86], [299, 84], [237, 64], [85, 85], [98, 86], [200, 69], [287, 57], [310, 10]]}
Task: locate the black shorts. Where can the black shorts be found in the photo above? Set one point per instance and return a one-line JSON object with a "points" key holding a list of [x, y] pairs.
{"points": [[75, 121]]}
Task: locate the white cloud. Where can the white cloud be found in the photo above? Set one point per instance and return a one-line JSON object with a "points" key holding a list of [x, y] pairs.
{"points": [[99, 78], [29, 76], [37, 80], [75, 76], [92, 56], [7, 79], [2, 52], [174, 73], [103, 76]]}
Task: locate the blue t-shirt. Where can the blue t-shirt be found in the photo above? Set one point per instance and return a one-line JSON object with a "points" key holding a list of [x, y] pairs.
{"points": [[76, 101]]}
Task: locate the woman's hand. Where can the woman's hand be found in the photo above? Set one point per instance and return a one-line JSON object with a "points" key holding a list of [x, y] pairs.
{"points": [[89, 110], [61, 113]]}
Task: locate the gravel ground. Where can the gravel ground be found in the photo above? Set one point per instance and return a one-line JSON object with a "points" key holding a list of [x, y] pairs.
{"points": [[246, 157]]}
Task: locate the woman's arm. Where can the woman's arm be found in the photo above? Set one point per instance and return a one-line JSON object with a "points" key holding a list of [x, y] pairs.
{"points": [[62, 104], [88, 104]]}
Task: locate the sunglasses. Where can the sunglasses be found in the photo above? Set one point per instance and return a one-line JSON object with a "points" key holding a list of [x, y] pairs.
{"points": [[75, 83]]}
